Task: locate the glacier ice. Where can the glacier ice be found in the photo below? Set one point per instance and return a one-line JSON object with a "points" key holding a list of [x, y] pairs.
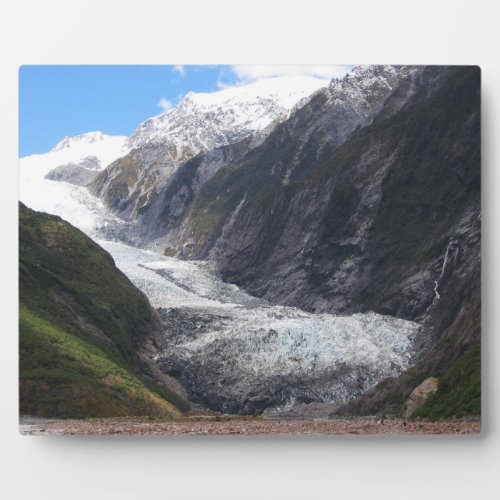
{"points": [[229, 348]]}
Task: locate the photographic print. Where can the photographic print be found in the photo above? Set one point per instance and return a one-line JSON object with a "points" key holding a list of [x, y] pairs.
{"points": [[249, 250]]}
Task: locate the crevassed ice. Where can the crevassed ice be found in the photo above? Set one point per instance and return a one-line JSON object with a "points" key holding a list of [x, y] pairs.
{"points": [[253, 347], [369, 337]]}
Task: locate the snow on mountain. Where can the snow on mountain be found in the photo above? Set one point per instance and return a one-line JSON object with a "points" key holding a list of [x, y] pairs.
{"points": [[359, 96], [74, 203], [200, 122], [203, 121], [367, 82], [105, 148]]}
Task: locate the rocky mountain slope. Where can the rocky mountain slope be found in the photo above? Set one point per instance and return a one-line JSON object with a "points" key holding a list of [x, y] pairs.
{"points": [[86, 333], [318, 128], [367, 226], [388, 220]]}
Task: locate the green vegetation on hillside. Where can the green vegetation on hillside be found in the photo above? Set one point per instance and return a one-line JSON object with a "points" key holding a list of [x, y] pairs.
{"points": [[455, 361], [61, 375], [459, 391], [82, 324]]}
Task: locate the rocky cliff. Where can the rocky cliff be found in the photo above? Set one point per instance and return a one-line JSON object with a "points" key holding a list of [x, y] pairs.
{"points": [[379, 213], [368, 226]]}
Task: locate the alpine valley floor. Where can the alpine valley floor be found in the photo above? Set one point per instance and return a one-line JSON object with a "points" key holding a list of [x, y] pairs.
{"points": [[246, 426]]}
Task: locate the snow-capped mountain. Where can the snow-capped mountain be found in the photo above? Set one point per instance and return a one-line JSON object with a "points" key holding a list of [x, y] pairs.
{"points": [[104, 148], [203, 121], [81, 156], [362, 94], [102, 144]]}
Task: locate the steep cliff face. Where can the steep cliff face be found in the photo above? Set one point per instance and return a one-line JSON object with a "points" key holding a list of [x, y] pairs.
{"points": [[388, 220], [367, 227], [301, 146], [159, 220]]}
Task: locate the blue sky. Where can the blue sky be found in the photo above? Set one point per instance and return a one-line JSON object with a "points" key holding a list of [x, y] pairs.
{"points": [[56, 101]]}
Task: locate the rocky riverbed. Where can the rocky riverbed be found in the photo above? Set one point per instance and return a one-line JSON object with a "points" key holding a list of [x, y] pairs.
{"points": [[245, 426]]}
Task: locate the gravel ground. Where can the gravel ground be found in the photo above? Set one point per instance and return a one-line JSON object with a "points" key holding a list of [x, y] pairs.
{"points": [[243, 426]]}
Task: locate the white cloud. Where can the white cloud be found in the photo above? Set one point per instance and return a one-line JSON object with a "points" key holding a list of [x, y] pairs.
{"points": [[165, 104], [224, 85], [179, 68], [248, 73]]}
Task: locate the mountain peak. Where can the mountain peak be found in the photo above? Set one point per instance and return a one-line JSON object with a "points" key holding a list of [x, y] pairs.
{"points": [[286, 91], [85, 138], [207, 120]]}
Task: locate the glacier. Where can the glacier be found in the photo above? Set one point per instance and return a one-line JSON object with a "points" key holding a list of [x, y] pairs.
{"points": [[238, 354]]}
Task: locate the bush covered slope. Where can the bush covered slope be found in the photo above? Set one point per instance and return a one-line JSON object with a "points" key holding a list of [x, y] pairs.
{"points": [[83, 327]]}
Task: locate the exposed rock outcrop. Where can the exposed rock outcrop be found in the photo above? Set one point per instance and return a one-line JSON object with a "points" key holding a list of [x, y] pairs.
{"points": [[419, 395]]}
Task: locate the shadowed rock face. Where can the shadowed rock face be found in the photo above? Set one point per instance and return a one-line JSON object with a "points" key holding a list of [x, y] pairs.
{"points": [[299, 146], [365, 227], [79, 174], [388, 221]]}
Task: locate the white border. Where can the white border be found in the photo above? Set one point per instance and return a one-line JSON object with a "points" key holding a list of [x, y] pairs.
{"points": [[201, 32]]}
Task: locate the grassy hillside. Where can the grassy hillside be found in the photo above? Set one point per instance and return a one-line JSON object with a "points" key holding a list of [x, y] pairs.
{"points": [[82, 325]]}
